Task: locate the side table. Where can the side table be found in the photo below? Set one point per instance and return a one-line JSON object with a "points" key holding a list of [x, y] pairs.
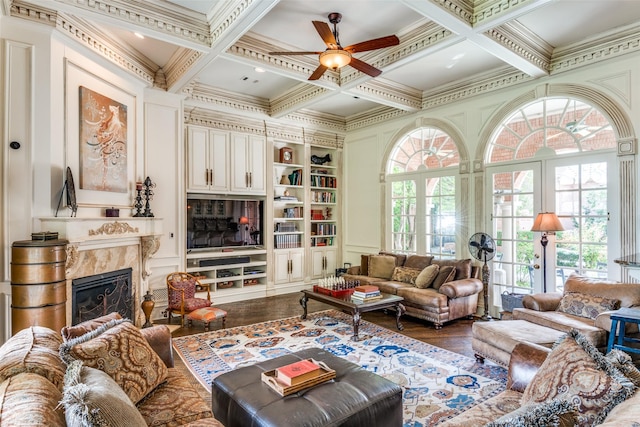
{"points": [[623, 316]]}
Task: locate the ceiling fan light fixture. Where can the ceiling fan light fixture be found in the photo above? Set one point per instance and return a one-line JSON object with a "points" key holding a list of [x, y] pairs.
{"points": [[335, 58]]}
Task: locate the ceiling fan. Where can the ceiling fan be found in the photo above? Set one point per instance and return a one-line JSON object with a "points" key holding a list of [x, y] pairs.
{"points": [[336, 56]]}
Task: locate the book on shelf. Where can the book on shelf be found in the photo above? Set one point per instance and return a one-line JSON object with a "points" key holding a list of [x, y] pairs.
{"points": [[298, 372], [288, 198]]}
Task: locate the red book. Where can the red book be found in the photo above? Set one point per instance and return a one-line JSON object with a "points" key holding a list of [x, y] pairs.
{"points": [[297, 372], [366, 289]]}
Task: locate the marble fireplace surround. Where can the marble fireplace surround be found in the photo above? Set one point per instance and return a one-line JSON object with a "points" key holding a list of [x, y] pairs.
{"points": [[101, 245]]}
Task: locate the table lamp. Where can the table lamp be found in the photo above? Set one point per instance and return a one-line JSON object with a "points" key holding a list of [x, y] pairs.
{"points": [[547, 223], [244, 221]]}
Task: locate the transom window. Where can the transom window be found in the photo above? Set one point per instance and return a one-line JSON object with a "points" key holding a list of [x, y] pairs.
{"points": [[424, 148]]}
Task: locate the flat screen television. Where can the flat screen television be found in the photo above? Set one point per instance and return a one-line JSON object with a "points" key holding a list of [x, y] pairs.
{"points": [[220, 223]]}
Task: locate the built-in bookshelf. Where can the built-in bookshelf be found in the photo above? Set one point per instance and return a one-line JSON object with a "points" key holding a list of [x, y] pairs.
{"points": [[323, 211]]}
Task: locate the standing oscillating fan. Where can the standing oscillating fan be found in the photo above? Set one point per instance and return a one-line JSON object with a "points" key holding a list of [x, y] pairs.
{"points": [[483, 248]]}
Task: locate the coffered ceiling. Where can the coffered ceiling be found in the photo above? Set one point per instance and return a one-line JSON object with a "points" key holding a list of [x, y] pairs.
{"points": [[449, 49]]}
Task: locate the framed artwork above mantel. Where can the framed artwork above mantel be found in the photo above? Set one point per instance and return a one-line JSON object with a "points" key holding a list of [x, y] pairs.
{"points": [[100, 139]]}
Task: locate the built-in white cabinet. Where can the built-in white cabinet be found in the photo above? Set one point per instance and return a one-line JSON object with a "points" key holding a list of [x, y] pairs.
{"points": [[225, 162], [207, 160], [248, 164], [323, 262], [289, 266]]}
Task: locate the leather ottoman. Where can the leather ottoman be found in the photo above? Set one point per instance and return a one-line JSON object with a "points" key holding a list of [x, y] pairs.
{"points": [[496, 340], [356, 397]]}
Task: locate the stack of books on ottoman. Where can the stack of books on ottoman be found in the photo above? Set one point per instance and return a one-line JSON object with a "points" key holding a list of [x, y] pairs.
{"points": [[298, 376], [365, 293]]}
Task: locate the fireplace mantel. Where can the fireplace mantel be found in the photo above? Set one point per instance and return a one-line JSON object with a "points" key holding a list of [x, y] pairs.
{"points": [[98, 245], [98, 232]]}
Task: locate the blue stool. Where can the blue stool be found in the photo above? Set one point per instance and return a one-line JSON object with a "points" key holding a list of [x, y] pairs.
{"points": [[623, 316]]}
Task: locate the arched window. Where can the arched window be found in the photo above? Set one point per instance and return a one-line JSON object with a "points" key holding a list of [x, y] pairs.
{"points": [[551, 155], [422, 171]]}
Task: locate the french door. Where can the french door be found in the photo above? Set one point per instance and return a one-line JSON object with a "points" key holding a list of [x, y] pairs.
{"points": [[578, 190], [516, 199]]}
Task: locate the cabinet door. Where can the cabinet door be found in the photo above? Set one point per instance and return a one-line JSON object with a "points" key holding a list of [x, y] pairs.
{"points": [[197, 159], [317, 263], [330, 262], [219, 146], [282, 267], [323, 262], [239, 170], [297, 266], [256, 153]]}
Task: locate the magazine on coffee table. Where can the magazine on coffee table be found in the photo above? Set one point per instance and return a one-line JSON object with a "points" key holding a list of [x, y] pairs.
{"points": [[325, 374]]}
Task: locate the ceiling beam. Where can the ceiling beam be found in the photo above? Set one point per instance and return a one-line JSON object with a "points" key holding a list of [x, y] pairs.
{"points": [[485, 21]]}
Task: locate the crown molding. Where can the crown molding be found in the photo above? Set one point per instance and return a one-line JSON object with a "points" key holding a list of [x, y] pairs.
{"points": [[373, 117], [390, 93], [587, 52], [462, 9], [517, 38], [180, 63], [293, 98], [30, 12], [107, 47], [219, 99], [164, 18]]}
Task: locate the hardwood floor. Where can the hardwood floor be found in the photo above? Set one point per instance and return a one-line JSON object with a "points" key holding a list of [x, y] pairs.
{"points": [[454, 336]]}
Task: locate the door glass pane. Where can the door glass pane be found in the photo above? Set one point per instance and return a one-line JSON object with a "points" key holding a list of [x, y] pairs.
{"points": [[513, 213], [403, 216], [581, 200], [440, 203]]}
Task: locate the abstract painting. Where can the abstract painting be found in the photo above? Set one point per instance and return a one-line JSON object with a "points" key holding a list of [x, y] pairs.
{"points": [[103, 143]]}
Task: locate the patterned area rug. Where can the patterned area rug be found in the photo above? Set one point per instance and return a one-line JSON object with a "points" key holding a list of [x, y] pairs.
{"points": [[437, 383]]}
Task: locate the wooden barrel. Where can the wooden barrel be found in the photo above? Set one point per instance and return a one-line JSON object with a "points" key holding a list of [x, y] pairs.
{"points": [[38, 284]]}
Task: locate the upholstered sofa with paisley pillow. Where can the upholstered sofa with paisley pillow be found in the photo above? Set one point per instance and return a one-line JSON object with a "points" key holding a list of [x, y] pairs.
{"points": [[572, 384], [115, 375], [433, 290]]}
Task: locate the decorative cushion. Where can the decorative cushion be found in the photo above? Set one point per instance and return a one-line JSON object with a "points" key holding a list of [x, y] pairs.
{"points": [[624, 363], [70, 332], [34, 350], [400, 258], [462, 266], [381, 266], [426, 276], [28, 399], [176, 402], [584, 305], [207, 314], [175, 296], [92, 398], [119, 349], [576, 371], [192, 304], [560, 413], [446, 274], [405, 275]]}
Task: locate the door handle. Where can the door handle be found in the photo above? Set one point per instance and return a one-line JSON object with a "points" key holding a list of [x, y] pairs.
{"points": [[536, 266]]}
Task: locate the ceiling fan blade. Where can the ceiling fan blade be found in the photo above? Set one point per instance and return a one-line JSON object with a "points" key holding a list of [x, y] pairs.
{"points": [[325, 32], [318, 72], [364, 67], [373, 44], [294, 53]]}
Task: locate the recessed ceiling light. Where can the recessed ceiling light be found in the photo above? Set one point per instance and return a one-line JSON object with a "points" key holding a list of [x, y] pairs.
{"points": [[138, 35], [259, 70]]}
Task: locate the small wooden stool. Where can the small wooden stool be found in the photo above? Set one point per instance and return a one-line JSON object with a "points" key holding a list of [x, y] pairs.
{"points": [[206, 315]]}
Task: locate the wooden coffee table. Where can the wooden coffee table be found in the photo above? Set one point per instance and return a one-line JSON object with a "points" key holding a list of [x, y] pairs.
{"points": [[345, 304]]}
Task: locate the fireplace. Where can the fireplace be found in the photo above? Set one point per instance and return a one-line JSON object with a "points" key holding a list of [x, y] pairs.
{"points": [[100, 294]]}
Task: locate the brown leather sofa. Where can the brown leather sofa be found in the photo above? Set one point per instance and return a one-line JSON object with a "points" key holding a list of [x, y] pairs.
{"points": [[450, 300], [33, 382]]}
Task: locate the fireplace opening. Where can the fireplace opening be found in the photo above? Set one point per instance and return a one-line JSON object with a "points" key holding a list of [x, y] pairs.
{"points": [[95, 296]]}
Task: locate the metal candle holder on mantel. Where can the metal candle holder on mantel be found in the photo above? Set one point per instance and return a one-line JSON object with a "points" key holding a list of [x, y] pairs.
{"points": [[144, 193]]}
